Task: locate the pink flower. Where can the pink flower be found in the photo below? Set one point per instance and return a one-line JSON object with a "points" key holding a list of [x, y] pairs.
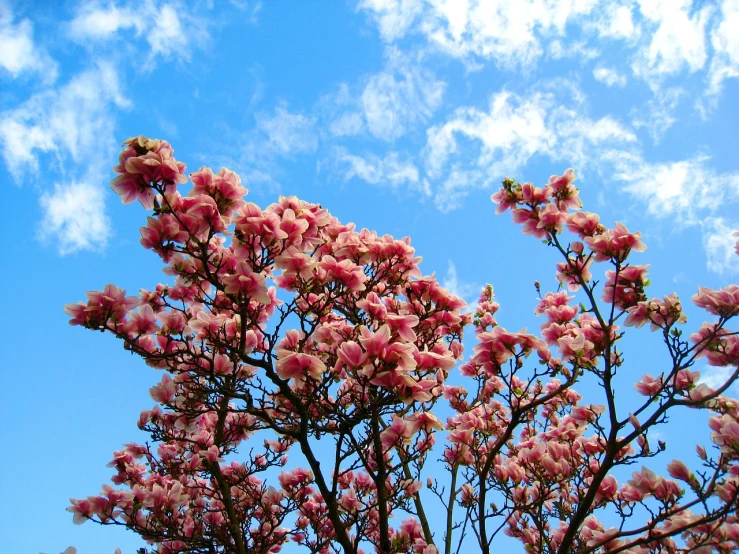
{"points": [[243, 281], [143, 322], [81, 510], [350, 274], [530, 220], [565, 195], [424, 421], [645, 481], [615, 243], [725, 433], [660, 313], [398, 433], [584, 224], [295, 262], [225, 187], [722, 302], [403, 325], [297, 479], [164, 392], [553, 301], [374, 307], [293, 227], [295, 365], [719, 346], [608, 489], [625, 288], [574, 272], [352, 355], [507, 197], [143, 163], [685, 379], [679, 470], [551, 219], [111, 304], [534, 196], [649, 386]]}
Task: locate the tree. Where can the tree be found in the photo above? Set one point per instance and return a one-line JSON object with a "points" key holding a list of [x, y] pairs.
{"points": [[345, 365]]}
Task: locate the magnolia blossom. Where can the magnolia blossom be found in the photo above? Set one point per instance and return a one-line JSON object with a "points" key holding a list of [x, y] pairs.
{"points": [[306, 364]]}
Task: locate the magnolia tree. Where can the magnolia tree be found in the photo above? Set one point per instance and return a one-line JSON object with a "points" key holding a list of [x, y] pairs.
{"points": [[287, 334]]}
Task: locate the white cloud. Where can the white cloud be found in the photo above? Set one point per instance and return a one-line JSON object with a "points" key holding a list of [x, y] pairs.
{"points": [[250, 9], [289, 133], [18, 52], [386, 104], [675, 189], [74, 121], [342, 112], [76, 124], [457, 185], [678, 38], [657, 38], [659, 113], [616, 22], [513, 129], [170, 30], [400, 96], [579, 50], [725, 42], [74, 216], [506, 31], [20, 141], [609, 77], [689, 193], [348, 124], [716, 377], [719, 243], [509, 134], [392, 169], [465, 291], [393, 17]]}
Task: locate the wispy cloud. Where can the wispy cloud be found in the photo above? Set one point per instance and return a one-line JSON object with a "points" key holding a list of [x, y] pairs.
{"points": [[579, 50], [656, 39], [690, 193], [400, 96], [719, 243], [725, 42], [513, 128], [675, 189], [660, 113], [394, 17], [393, 169], [616, 21], [508, 31], [677, 38], [465, 291], [289, 133], [74, 215], [609, 77], [387, 104], [250, 9], [716, 377], [73, 120], [511, 132], [19, 53], [171, 30], [74, 124]]}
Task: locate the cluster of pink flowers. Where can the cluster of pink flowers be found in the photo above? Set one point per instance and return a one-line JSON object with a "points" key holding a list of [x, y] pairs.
{"points": [[287, 332]]}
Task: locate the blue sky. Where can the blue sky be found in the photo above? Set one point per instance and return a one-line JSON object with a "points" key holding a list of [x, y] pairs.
{"points": [[400, 115]]}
